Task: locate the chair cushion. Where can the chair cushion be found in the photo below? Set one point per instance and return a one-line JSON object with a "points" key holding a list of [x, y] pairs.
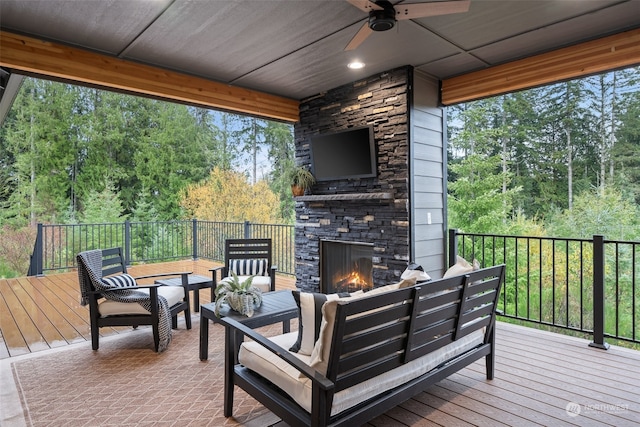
{"points": [[173, 295], [249, 267], [310, 318], [119, 281]]}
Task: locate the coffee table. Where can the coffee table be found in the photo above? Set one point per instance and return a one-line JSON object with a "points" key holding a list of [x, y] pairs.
{"points": [[278, 306], [195, 284]]}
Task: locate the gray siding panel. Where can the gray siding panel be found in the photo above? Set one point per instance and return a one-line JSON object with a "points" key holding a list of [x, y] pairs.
{"points": [[427, 192]]}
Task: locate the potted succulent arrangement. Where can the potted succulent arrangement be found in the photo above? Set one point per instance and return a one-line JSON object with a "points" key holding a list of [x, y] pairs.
{"points": [[242, 297], [301, 180]]}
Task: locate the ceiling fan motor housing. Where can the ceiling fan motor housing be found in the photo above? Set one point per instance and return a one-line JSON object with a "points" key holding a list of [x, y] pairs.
{"points": [[382, 20]]}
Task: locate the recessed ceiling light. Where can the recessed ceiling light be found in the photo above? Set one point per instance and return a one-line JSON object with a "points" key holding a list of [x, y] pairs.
{"points": [[356, 65]]}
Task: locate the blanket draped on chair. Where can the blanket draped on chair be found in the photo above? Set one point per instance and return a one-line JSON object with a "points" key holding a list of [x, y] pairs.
{"points": [[92, 261]]}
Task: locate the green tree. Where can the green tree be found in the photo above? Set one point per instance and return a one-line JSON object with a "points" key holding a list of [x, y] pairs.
{"points": [[281, 149], [595, 212], [171, 156], [103, 206], [476, 201]]}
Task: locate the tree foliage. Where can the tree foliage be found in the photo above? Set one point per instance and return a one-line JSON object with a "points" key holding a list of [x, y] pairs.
{"points": [[555, 144], [61, 145], [228, 196]]}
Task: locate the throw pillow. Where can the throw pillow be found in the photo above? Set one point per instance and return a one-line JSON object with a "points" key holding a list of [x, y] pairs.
{"points": [[310, 318], [119, 281], [461, 266], [249, 267]]}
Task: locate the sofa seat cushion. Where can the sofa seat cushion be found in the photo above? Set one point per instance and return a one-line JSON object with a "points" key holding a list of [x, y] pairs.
{"points": [[261, 282], [173, 295], [260, 360]]}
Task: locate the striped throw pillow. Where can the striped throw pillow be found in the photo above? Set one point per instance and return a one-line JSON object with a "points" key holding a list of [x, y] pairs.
{"points": [[249, 267], [119, 281]]}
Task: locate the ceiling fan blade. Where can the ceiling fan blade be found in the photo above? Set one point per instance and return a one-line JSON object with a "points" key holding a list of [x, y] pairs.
{"points": [[423, 10], [365, 5], [360, 36]]}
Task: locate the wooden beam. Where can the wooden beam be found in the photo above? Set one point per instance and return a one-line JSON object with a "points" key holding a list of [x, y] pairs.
{"points": [[596, 56], [63, 62]]}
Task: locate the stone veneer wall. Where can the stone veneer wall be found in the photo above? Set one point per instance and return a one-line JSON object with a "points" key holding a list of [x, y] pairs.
{"points": [[382, 101]]}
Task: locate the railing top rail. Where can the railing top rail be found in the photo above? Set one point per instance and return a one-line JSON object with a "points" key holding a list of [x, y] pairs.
{"points": [[514, 236]]}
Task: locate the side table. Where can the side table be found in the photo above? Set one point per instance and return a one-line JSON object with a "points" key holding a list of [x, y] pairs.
{"points": [[278, 306], [195, 284]]}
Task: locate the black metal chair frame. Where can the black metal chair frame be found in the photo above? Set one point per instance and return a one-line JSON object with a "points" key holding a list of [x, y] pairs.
{"points": [[246, 249], [113, 263]]}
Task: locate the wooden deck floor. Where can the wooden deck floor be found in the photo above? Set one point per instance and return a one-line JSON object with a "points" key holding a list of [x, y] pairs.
{"points": [[40, 313], [541, 377]]}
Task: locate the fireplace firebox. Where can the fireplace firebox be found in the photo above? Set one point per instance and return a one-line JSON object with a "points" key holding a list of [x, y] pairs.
{"points": [[345, 266]]}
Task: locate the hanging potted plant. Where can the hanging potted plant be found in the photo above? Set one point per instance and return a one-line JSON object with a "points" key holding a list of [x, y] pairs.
{"points": [[301, 180], [242, 297]]}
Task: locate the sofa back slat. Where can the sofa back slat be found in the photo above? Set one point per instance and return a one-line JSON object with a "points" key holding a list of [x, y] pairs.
{"points": [[435, 316], [426, 347], [480, 286], [372, 354], [472, 327], [435, 330], [363, 321], [355, 376], [364, 339]]}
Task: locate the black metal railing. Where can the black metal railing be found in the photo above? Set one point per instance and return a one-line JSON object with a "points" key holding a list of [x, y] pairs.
{"points": [[583, 285], [56, 245]]}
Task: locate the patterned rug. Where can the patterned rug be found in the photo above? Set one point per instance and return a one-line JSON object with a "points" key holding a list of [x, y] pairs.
{"points": [[125, 383]]}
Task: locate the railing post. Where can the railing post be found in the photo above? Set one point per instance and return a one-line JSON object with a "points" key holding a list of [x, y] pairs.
{"points": [[36, 262], [247, 230], [127, 242], [194, 233], [598, 294], [453, 246]]}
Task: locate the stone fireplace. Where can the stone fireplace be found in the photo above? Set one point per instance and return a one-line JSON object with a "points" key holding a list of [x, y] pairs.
{"points": [[345, 266], [373, 211]]}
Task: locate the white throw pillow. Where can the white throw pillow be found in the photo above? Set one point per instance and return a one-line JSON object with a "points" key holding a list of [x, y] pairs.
{"points": [[119, 281], [461, 266]]}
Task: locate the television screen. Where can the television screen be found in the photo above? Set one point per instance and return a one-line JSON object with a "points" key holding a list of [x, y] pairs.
{"points": [[348, 154]]}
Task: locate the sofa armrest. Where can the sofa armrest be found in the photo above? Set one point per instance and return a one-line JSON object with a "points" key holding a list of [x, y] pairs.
{"points": [[306, 370]]}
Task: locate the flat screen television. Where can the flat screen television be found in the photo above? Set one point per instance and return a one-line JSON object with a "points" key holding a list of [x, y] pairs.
{"points": [[348, 154]]}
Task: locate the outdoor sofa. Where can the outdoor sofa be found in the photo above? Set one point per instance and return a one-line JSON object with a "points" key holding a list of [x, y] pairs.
{"points": [[374, 350]]}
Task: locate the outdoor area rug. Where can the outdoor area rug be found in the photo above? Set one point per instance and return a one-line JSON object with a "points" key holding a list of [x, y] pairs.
{"points": [[126, 383]]}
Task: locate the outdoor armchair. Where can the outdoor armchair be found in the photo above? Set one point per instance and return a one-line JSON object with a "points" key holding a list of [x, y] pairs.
{"points": [[115, 299], [248, 257]]}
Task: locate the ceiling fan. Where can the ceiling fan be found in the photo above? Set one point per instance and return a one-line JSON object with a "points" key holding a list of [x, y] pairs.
{"points": [[383, 15]]}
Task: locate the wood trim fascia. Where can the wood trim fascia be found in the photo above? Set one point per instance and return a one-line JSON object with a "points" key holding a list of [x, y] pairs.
{"points": [[59, 61], [595, 56]]}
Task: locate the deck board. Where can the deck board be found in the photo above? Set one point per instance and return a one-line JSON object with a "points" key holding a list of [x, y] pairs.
{"points": [[537, 372]]}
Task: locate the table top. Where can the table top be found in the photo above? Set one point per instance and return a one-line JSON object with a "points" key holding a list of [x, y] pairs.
{"points": [[194, 279], [276, 307]]}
